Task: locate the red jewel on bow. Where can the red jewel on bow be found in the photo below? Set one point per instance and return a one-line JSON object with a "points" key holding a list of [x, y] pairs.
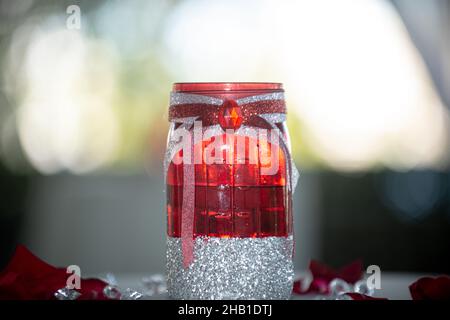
{"points": [[26, 277], [230, 117]]}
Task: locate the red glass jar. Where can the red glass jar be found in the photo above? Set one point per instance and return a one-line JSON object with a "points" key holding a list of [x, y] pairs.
{"points": [[229, 192]]}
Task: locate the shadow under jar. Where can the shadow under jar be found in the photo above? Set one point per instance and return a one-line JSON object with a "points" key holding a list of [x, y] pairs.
{"points": [[229, 192]]}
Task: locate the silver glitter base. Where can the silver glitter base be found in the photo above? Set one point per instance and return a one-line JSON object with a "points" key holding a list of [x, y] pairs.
{"points": [[233, 268]]}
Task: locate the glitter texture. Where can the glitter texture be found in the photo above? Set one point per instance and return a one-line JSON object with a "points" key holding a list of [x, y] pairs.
{"points": [[274, 117], [261, 97], [177, 98], [232, 268]]}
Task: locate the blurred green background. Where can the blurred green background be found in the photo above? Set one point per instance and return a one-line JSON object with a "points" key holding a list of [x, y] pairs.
{"points": [[83, 122]]}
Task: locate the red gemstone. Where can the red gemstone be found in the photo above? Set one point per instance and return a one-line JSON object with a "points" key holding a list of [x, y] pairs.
{"points": [[230, 117]]}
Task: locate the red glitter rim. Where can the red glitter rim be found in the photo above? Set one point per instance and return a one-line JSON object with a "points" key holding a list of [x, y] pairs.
{"points": [[226, 86]]}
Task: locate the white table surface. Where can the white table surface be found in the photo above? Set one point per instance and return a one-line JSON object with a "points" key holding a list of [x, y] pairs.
{"points": [[394, 285]]}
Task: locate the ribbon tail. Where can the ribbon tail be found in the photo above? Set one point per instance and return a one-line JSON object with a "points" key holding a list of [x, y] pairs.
{"points": [[187, 212], [292, 174]]}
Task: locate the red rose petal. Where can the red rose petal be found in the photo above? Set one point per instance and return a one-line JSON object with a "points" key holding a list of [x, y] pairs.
{"points": [[297, 288], [428, 288], [323, 275], [24, 261], [319, 286], [351, 272], [28, 277], [92, 289], [322, 271]]}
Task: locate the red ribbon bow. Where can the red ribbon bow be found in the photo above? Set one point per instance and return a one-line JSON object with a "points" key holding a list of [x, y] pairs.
{"points": [[230, 115]]}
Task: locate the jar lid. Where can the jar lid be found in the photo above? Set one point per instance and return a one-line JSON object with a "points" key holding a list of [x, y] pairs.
{"points": [[226, 86]]}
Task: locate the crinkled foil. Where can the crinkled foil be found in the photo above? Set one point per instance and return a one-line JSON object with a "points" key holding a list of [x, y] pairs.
{"points": [[66, 294], [233, 268]]}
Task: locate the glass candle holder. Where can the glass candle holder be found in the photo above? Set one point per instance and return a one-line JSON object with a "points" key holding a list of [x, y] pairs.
{"points": [[229, 178]]}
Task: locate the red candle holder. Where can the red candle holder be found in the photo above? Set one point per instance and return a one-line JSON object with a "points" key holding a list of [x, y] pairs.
{"points": [[229, 178]]}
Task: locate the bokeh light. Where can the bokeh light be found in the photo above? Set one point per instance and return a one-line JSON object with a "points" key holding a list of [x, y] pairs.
{"points": [[359, 94], [66, 120]]}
